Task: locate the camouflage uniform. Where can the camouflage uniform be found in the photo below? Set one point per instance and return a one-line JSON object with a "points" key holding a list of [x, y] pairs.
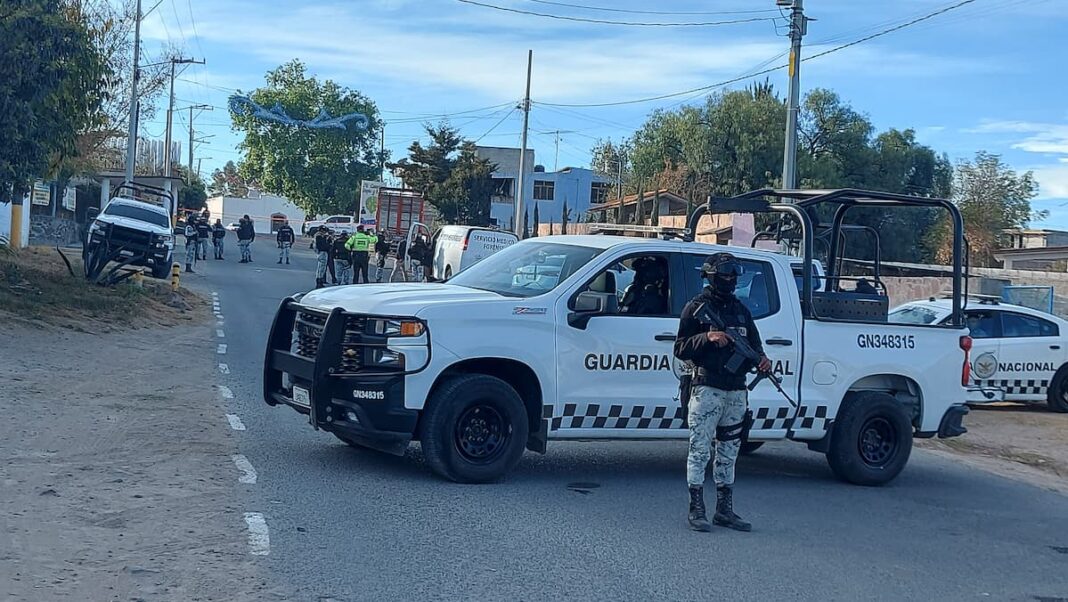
{"points": [[712, 409]]}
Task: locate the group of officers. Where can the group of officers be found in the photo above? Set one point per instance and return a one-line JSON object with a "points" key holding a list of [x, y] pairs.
{"points": [[346, 258], [199, 230]]}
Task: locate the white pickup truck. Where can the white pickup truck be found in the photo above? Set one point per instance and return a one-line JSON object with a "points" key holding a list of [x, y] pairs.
{"points": [[541, 341]]}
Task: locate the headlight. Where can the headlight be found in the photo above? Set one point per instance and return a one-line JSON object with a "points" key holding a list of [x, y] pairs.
{"points": [[164, 240], [387, 357], [397, 328]]}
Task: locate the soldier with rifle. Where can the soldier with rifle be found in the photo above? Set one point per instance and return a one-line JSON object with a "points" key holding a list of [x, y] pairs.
{"points": [[718, 337]]}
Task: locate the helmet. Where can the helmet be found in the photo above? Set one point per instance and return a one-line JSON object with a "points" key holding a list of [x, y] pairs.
{"points": [[721, 270]]}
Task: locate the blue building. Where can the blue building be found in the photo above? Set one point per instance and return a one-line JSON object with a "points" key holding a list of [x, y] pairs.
{"points": [[549, 191]]}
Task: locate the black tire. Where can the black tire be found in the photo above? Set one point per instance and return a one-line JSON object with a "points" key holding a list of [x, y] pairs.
{"points": [[750, 447], [1057, 396], [871, 439], [161, 270], [448, 272], [474, 430]]}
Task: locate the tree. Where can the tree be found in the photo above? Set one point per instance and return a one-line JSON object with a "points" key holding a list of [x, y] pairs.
{"points": [[320, 170], [565, 217], [450, 175], [537, 220], [611, 161], [50, 88], [228, 182], [654, 218], [192, 193], [526, 222], [991, 198]]}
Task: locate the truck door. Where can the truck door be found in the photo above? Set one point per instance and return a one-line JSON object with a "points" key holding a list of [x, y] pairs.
{"points": [[1030, 354], [777, 315], [615, 372]]}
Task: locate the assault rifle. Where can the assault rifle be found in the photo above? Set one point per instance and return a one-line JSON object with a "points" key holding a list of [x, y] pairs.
{"points": [[743, 351]]}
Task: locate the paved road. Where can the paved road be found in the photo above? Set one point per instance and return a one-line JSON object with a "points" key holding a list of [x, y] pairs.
{"points": [[357, 525]]}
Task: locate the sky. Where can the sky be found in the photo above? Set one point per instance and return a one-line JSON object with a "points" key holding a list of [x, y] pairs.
{"points": [[986, 76]]}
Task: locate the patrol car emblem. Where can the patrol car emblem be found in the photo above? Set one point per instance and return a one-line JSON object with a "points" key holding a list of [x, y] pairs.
{"points": [[985, 365], [528, 311]]}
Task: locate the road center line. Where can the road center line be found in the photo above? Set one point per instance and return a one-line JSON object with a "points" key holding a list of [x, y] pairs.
{"points": [[219, 333], [223, 368], [259, 541], [235, 422], [225, 392], [222, 349], [249, 476]]}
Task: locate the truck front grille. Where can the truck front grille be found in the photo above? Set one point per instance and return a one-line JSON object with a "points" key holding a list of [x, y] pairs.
{"points": [[130, 239], [308, 329]]}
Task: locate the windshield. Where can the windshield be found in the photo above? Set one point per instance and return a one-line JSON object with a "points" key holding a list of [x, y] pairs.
{"points": [[526, 269], [137, 213], [915, 314]]}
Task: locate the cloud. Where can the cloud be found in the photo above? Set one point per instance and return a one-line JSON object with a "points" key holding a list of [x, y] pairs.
{"points": [[1049, 138]]}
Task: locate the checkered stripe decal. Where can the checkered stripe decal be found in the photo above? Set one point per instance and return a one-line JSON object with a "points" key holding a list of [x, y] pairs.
{"points": [[1018, 386], [596, 415], [809, 417]]}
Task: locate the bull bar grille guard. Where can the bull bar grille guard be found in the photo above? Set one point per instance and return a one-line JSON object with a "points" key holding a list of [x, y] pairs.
{"points": [[325, 368]]}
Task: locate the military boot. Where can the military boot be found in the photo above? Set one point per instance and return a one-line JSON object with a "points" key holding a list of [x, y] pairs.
{"points": [[188, 268], [698, 520], [725, 516]]}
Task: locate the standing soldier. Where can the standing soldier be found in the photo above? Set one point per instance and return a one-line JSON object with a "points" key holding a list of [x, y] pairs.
{"points": [[361, 244], [190, 242], [246, 233], [717, 410], [218, 233], [322, 250], [203, 236], [285, 237], [382, 250], [342, 258]]}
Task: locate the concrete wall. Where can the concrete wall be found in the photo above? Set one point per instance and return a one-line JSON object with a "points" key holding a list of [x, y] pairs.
{"points": [[48, 230], [230, 209]]}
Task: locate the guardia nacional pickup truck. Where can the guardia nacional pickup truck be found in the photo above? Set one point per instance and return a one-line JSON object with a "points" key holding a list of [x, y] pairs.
{"points": [[546, 341]]}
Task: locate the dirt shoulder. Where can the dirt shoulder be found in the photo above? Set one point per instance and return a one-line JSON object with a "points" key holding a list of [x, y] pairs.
{"points": [[118, 482], [1024, 442]]}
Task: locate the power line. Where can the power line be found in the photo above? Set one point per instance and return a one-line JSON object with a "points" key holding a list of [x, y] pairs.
{"points": [[193, 22], [489, 131], [770, 69], [606, 22], [652, 12]]}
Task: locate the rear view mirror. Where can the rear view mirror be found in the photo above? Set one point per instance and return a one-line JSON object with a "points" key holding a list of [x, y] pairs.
{"points": [[91, 213], [588, 304]]}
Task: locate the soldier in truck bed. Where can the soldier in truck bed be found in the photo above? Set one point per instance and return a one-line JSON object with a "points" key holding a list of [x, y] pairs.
{"points": [[719, 400]]}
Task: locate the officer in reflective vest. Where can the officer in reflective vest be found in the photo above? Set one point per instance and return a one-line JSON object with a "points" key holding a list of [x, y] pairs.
{"points": [[360, 244]]}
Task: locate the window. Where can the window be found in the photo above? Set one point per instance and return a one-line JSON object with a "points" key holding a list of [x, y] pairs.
{"points": [[756, 286], [139, 214], [340, 219], [526, 270], [983, 324], [640, 284], [915, 314], [599, 192], [1020, 325], [544, 190]]}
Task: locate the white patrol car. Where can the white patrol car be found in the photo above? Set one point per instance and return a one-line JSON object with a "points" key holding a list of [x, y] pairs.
{"points": [[1018, 353], [506, 357]]}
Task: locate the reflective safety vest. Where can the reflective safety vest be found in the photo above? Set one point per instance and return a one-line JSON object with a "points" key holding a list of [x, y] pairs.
{"points": [[361, 242]]}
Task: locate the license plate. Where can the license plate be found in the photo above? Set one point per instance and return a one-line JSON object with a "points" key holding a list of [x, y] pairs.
{"points": [[301, 396]]}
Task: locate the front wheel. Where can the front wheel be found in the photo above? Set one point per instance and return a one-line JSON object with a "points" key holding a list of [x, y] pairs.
{"points": [[750, 447], [161, 269], [871, 439], [1057, 396], [475, 429]]}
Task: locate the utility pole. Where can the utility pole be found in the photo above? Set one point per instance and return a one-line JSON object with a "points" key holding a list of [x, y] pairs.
{"points": [[168, 138], [556, 160], [798, 28], [382, 155], [189, 174], [131, 135], [523, 152]]}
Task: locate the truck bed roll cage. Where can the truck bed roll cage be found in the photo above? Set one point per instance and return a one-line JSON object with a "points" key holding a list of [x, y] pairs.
{"points": [[802, 204]]}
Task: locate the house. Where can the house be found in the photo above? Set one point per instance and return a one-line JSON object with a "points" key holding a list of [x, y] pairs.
{"points": [[722, 229], [578, 187], [1034, 249], [268, 211]]}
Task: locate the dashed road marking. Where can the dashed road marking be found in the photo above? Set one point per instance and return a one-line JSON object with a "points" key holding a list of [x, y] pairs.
{"points": [[225, 392], [223, 368], [235, 422], [219, 333], [222, 349], [259, 541], [242, 463]]}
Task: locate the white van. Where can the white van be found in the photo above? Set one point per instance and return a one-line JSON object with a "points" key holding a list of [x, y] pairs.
{"points": [[457, 248]]}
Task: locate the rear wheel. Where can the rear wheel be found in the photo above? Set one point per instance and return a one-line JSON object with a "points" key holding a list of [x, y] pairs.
{"points": [[475, 429], [1057, 396], [448, 272], [871, 439]]}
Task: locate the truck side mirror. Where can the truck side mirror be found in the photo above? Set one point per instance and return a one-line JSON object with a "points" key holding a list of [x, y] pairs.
{"points": [[588, 304], [91, 213]]}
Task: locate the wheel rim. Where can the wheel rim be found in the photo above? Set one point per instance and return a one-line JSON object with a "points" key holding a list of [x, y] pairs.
{"points": [[481, 434], [1063, 392], [878, 442]]}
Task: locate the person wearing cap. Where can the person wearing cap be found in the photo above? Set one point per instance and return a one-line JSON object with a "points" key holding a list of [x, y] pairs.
{"points": [[203, 235], [322, 250], [246, 233], [191, 238], [218, 233], [382, 250], [285, 238], [360, 245], [719, 400]]}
